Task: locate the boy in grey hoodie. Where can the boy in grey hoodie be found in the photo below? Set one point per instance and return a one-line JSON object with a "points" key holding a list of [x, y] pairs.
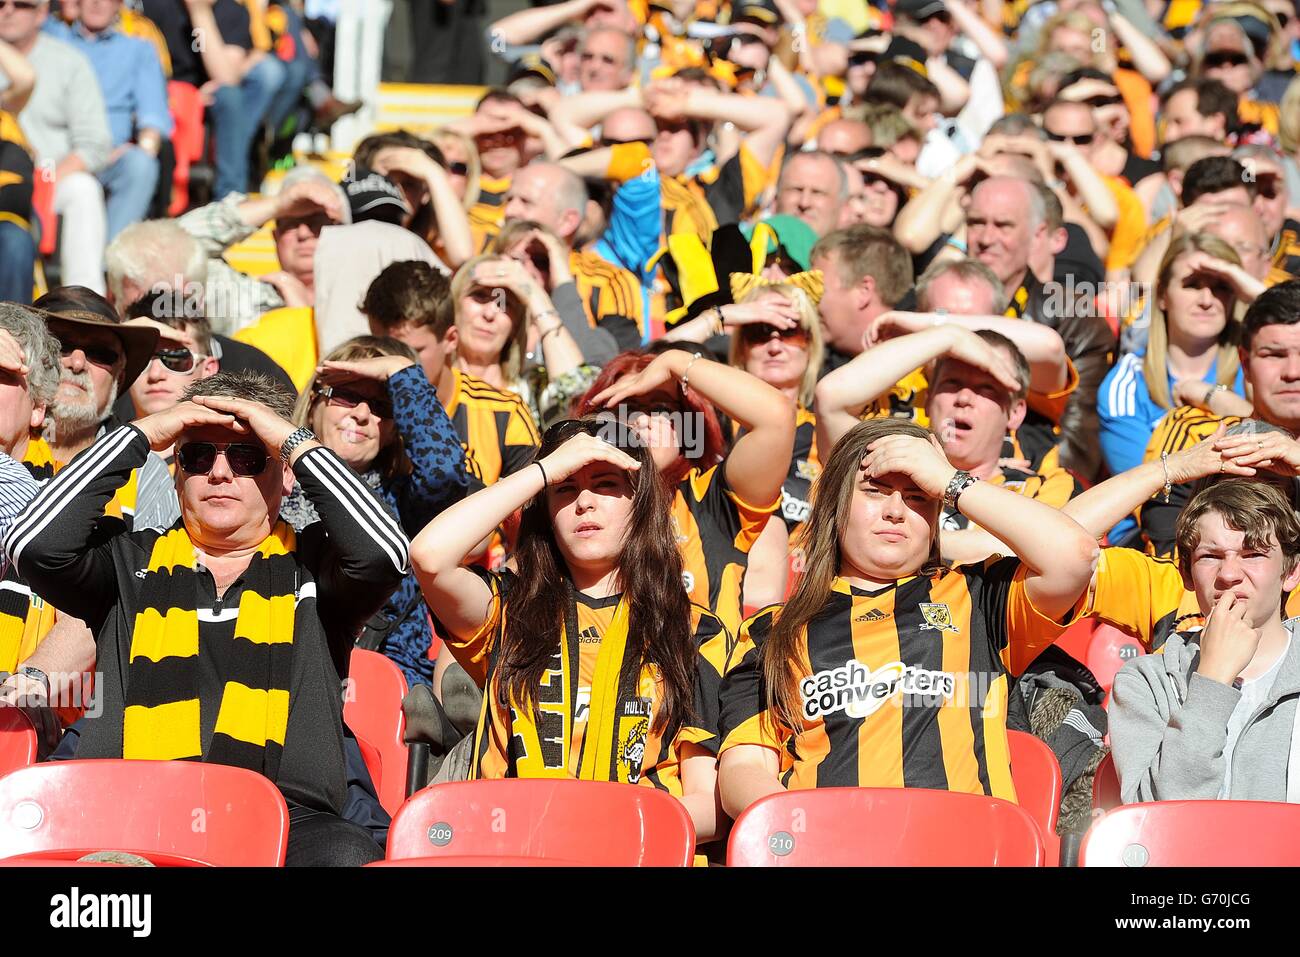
{"points": [[1214, 714], [1175, 719]]}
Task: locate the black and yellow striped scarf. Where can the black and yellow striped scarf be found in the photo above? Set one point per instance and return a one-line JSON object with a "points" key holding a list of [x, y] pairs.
{"points": [[618, 717], [39, 459], [162, 720], [1019, 301]]}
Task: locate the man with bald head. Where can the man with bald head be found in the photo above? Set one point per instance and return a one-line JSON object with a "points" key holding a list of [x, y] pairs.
{"points": [[844, 137], [813, 187], [628, 125], [1242, 229], [555, 198], [606, 60], [1005, 222]]}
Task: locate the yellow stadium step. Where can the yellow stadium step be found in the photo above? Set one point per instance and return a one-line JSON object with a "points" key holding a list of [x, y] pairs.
{"points": [[421, 108]]}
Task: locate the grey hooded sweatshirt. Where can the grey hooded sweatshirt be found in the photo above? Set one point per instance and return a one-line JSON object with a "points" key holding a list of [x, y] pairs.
{"points": [[1169, 725]]}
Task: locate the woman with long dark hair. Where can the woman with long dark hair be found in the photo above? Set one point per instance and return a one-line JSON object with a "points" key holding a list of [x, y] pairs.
{"points": [[594, 613], [721, 500], [885, 669]]}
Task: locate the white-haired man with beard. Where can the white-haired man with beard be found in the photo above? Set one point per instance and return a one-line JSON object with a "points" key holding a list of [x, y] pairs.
{"points": [[101, 357]]}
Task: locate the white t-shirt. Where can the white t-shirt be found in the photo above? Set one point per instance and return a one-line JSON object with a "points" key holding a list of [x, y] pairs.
{"points": [[1253, 693]]}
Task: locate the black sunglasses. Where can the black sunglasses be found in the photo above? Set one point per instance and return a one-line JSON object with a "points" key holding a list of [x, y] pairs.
{"points": [[180, 361], [347, 399], [758, 332], [245, 459], [943, 16], [1079, 139], [19, 4], [458, 169], [1099, 101], [103, 356], [1223, 58]]}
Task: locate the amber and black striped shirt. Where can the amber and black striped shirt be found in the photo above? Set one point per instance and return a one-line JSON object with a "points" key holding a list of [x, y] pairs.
{"points": [[611, 297], [902, 687], [494, 426], [661, 765], [715, 529]]}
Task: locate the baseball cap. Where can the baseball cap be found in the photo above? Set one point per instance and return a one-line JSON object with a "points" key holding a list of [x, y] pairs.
{"points": [[373, 196]]}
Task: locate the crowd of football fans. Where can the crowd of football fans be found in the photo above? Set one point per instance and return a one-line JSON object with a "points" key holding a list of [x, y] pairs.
{"points": [[747, 395]]}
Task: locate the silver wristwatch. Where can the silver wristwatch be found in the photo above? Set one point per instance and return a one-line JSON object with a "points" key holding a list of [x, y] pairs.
{"points": [[296, 438], [960, 482], [36, 674]]}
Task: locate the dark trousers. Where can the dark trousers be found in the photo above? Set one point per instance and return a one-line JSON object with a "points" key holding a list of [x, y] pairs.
{"points": [[448, 42], [17, 262], [321, 839]]}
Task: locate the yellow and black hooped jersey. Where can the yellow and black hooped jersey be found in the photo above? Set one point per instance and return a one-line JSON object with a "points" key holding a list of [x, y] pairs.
{"points": [[1286, 254], [498, 753], [611, 297], [805, 466], [1179, 17], [488, 213], [1013, 12], [1179, 429], [715, 529], [17, 173], [1259, 114], [902, 687], [734, 189], [495, 428]]}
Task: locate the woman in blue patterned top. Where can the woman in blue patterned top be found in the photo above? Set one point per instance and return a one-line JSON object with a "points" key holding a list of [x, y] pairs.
{"points": [[370, 403]]}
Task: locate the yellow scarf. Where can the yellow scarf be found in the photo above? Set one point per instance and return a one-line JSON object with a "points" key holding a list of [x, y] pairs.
{"points": [[618, 718], [163, 716]]}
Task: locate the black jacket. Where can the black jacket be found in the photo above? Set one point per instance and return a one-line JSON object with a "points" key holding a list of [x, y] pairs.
{"points": [[349, 562]]}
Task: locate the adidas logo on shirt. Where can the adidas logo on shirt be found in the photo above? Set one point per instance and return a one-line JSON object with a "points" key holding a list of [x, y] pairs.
{"points": [[875, 614]]}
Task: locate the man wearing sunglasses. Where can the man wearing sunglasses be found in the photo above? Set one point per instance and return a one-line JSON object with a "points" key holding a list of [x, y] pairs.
{"points": [[226, 637], [67, 125], [1067, 121], [38, 645], [140, 260]]}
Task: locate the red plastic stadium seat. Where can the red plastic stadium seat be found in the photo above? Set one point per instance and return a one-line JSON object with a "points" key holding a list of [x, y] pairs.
{"points": [[1195, 834], [478, 860], [17, 740], [1105, 785], [1037, 776], [592, 823], [898, 827], [43, 212], [186, 106], [1074, 640], [1108, 651], [172, 812], [373, 710]]}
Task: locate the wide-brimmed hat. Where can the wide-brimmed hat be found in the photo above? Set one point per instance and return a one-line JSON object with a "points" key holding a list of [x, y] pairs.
{"points": [[138, 342]]}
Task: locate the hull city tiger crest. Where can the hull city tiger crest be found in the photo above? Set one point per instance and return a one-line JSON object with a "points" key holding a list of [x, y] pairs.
{"points": [[633, 728], [937, 617]]}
